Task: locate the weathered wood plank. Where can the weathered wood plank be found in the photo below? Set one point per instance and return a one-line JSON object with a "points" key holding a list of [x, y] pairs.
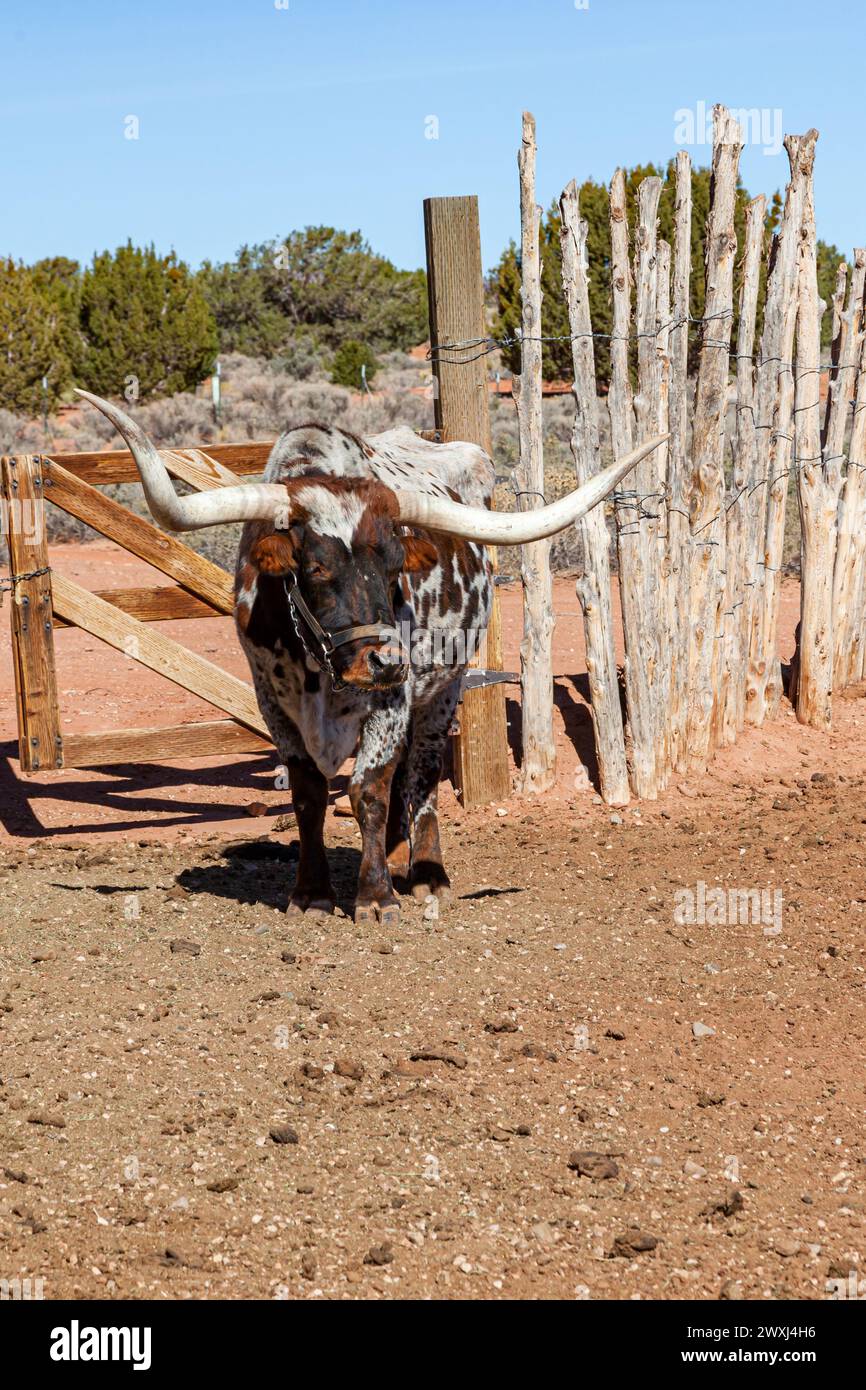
{"points": [[158, 652], [157, 605], [203, 578], [118, 466], [210, 738]]}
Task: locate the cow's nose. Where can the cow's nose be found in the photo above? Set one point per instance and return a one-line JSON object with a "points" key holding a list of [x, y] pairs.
{"points": [[388, 663]]}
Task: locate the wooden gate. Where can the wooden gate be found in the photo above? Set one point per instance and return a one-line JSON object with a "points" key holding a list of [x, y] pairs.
{"points": [[42, 600]]}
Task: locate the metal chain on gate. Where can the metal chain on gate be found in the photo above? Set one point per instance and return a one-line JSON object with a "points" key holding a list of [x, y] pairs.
{"points": [[8, 581]]}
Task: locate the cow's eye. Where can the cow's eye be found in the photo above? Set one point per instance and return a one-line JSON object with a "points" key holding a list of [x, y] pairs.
{"points": [[315, 571]]}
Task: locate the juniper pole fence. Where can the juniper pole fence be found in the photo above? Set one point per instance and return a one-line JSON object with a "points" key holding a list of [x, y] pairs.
{"points": [[700, 525]]}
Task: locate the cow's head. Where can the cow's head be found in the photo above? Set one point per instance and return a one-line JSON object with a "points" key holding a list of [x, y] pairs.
{"points": [[342, 554], [342, 540]]}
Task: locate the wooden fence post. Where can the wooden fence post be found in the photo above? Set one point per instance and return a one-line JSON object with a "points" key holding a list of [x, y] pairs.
{"points": [[538, 763], [738, 561], [593, 587], [708, 448], [775, 416], [462, 411], [819, 479], [679, 481], [639, 636], [848, 599], [40, 742]]}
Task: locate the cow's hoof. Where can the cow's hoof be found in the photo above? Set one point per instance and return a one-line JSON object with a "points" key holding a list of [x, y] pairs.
{"points": [[366, 914], [307, 902], [430, 879]]}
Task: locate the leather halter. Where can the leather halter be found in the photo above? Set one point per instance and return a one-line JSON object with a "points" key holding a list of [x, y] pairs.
{"points": [[326, 642]]}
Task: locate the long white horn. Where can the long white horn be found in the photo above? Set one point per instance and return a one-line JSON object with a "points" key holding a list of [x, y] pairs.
{"points": [[517, 528], [255, 502]]}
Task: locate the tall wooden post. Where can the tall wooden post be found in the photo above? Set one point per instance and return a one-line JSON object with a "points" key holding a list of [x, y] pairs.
{"points": [[40, 745], [593, 586], [708, 445], [538, 764], [462, 411]]}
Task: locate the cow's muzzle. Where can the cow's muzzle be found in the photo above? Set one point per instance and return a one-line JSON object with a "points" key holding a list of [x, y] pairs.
{"points": [[376, 667]]}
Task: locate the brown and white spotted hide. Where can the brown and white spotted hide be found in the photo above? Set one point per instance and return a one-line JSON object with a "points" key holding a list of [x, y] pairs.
{"points": [[355, 565]]}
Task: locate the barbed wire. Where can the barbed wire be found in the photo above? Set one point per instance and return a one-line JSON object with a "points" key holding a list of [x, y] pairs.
{"points": [[484, 346]]}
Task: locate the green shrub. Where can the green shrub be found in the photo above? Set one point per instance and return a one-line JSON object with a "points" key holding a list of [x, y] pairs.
{"points": [[347, 362]]}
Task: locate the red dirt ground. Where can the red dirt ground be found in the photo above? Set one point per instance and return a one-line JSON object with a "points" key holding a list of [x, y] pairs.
{"points": [[510, 1101]]}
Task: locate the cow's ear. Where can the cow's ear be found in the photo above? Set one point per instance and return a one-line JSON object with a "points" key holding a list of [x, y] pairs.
{"points": [[275, 554], [420, 554]]}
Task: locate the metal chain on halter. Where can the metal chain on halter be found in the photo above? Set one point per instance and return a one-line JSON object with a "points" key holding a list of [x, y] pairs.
{"points": [[323, 661], [8, 581]]}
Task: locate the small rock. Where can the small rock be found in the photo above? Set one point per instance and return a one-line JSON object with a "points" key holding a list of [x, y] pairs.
{"points": [[283, 1134], [707, 1098], [48, 1118], [438, 1054], [501, 1025], [384, 948], [731, 1290], [693, 1170], [353, 1070], [227, 1184], [380, 1254], [590, 1164], [726, 1206], [615, 1033], [311, 1071], [703, 1030], [288, 821], [534, 1050], [288, 957], [256, 808], [179, 947], [787, 1248], [177, 893], [634, 1242], [308, 1265], [267, 996]]}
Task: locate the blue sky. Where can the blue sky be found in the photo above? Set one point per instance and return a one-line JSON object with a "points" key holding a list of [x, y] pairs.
{"points": [[254, 120]]}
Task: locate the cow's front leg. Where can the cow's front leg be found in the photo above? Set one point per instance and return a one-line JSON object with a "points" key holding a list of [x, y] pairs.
{"points": [[312, 891], [429, 733], [379, 756]]}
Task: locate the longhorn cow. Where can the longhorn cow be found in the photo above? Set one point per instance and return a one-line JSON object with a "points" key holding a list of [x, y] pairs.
{"points": [[362, 571]]}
